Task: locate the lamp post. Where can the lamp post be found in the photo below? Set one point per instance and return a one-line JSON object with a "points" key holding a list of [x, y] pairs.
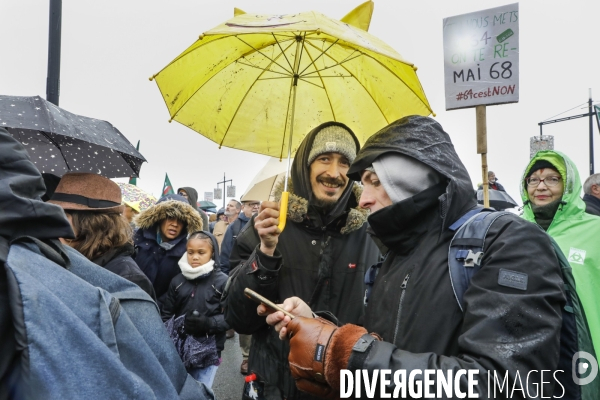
{"points": [[54, 40], [589, 114], [224, 181]]}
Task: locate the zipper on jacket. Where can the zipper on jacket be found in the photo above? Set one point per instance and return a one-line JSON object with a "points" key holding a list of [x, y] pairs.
{"points": [[403, 287]]}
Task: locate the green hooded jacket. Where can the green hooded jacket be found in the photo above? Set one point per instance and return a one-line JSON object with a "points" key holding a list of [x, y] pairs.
{"points": [[576, 232]]}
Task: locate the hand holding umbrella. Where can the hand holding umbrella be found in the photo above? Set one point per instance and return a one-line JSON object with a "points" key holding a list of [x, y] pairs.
{"points": [[267, 225]]}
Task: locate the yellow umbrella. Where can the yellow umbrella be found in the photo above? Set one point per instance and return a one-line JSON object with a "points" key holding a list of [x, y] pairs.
{"points": [[256, 81]]}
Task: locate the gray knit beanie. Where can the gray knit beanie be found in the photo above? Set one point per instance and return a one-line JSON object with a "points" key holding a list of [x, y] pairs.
{"points": [[333, 139]]}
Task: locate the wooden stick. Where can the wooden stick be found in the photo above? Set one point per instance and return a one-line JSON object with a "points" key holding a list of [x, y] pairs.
{"points": [[481, 123]]}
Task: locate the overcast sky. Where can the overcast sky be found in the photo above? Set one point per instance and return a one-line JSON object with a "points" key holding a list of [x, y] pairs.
{"points": [[110, 48]]}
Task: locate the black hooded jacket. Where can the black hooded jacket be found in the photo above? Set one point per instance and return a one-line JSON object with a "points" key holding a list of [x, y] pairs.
{"points": [[412, 305], [321, 259]]}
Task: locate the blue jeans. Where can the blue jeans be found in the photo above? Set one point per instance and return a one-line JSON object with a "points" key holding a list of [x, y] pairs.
{"points": [[205, 375]]}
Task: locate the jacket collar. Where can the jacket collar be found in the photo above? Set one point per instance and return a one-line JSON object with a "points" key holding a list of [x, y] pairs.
{"points": [[125, 250], [588, 198], [242, 217], [400, 226]]}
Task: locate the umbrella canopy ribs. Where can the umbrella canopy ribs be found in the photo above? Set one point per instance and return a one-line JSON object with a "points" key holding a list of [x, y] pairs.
{"points": [[260, 83], [235, 85]]}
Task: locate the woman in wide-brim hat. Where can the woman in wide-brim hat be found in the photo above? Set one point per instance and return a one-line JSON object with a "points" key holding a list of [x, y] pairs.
{"points": [[92, 204]]}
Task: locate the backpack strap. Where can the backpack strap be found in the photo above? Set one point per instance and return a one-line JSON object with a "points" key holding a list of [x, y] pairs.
{"points": [[237, 227], [466, 251]]}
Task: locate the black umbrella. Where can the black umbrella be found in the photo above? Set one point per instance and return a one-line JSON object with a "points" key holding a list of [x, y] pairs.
{"points": [[498, 199], [59, 141]]}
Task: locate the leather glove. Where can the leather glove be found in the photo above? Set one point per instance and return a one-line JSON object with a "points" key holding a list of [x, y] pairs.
{"points": [[309, 339], [196, 324], [318, 351]]}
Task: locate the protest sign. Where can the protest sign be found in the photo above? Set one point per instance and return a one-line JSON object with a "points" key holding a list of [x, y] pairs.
{"points": [[481, 57]]}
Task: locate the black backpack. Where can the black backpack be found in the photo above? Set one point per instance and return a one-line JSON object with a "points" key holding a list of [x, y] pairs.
{"points": [[464, 260]]}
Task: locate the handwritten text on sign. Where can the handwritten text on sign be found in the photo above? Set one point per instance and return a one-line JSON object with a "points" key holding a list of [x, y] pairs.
{"points": [[481, 57]]}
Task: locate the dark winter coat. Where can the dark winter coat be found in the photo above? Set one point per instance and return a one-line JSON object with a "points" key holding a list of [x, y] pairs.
{"points": [[592, 204], [202, 294], [321, 259], [119, 261], [231, 233], [154, 259], [412, 304]]}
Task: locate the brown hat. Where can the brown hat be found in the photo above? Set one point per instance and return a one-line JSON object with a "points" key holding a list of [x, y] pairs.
{"points": [[87, 192]]}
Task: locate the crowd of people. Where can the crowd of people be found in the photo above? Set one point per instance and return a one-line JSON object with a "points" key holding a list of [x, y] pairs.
{"points": [[362, 264]]}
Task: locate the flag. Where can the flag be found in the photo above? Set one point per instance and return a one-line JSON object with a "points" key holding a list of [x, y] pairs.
{"points": [[167, 187], [133, 180]]}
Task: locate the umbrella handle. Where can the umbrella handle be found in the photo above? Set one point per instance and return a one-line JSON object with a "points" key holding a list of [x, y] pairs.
{"points": [[283, 207]]}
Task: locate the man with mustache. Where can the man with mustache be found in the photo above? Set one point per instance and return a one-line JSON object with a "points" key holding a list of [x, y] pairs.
{"points": [[321, 256], [419, 191]]}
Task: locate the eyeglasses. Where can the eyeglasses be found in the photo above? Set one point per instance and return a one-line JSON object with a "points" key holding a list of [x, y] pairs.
{"points": [[184, 194], [549, 181], [252, 205]]}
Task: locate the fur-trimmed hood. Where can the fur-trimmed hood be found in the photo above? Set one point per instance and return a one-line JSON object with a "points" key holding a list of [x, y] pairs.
{"points": [[298, 207], [170, 209]]}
